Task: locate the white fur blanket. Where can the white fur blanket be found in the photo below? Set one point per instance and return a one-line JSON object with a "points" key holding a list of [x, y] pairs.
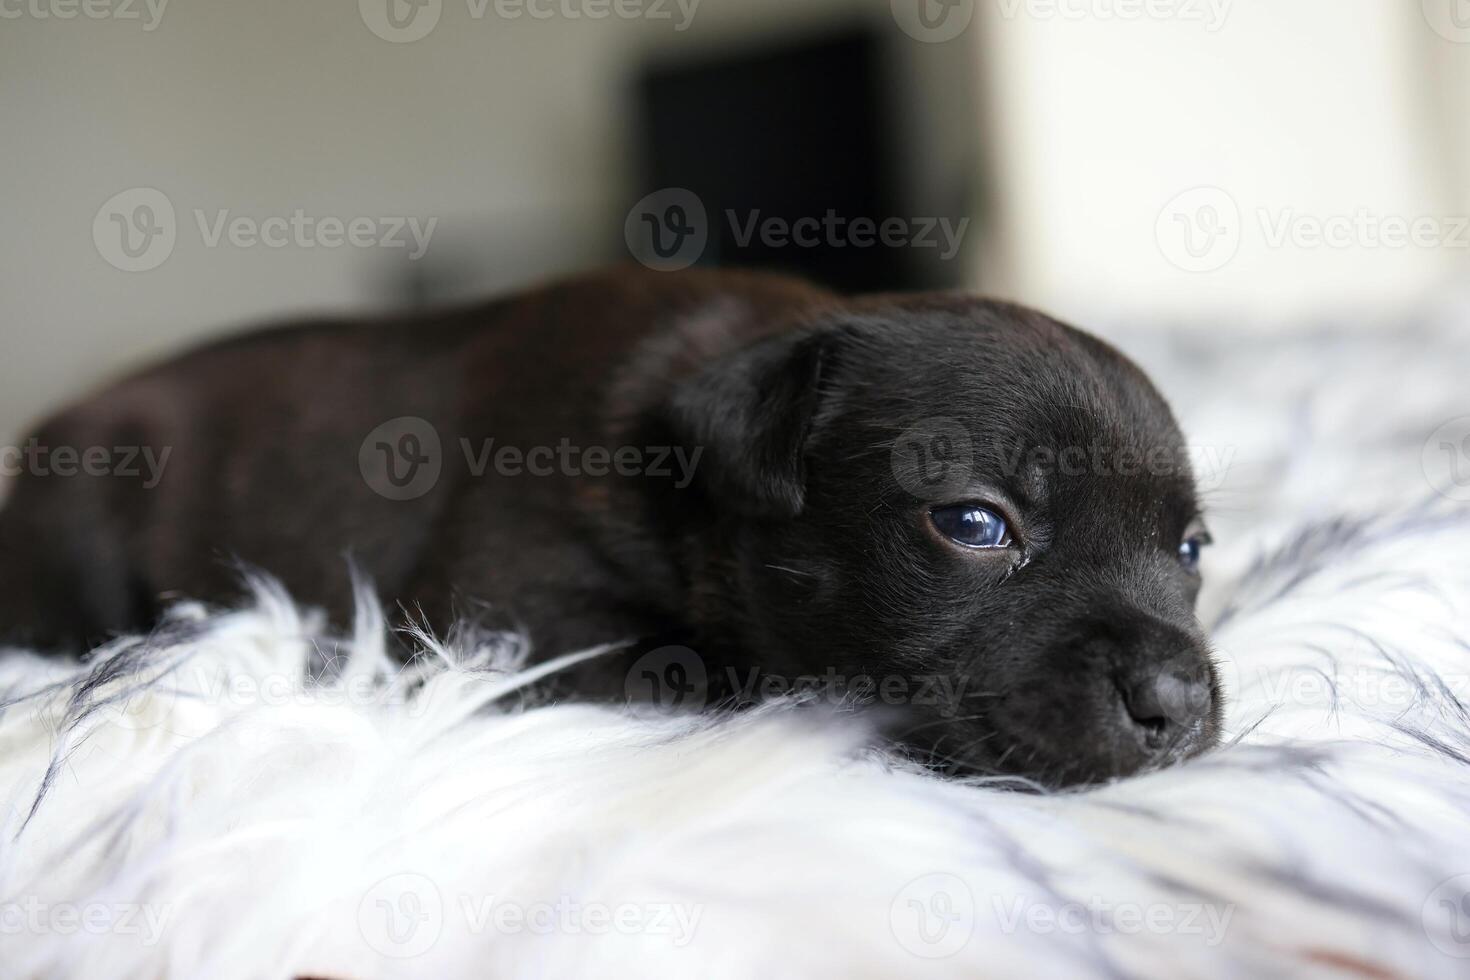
{"points": [[243, 796]]}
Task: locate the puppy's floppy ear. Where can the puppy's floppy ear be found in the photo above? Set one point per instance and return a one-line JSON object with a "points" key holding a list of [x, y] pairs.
{"points": [[749, 414]]}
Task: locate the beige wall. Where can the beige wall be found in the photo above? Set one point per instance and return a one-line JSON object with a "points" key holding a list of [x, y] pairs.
{"points": [[1301, 112]]}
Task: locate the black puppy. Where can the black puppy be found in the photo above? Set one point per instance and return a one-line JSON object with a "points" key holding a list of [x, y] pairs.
{"points": [[957, 506]]}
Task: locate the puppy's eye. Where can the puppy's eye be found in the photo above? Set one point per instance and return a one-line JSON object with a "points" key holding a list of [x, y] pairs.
{"points": [[972, 526], [1189, 551]]}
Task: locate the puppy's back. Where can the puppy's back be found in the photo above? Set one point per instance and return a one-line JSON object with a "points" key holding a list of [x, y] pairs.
{"points": [[248, 447]]}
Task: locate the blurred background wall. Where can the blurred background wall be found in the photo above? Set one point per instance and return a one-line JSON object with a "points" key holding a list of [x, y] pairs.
{"points": [[1202, 162], [1289, 117]]}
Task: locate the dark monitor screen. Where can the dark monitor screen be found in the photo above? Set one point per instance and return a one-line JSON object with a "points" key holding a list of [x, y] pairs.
{"points": [[768, 138]]}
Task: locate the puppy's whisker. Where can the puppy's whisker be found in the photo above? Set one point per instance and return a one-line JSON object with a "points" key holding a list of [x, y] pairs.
{"points": [[939, 721], [962, 757]]}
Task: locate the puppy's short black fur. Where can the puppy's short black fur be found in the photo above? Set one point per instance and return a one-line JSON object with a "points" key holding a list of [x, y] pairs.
{"points": [[818, 457]]}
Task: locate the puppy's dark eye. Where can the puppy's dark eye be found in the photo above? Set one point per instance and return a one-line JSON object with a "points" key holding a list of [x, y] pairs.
{"points": [[972, 526], [1189, 551]]}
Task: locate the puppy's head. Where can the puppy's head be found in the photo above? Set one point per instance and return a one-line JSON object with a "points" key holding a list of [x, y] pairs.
{"points": [[971, 513]]}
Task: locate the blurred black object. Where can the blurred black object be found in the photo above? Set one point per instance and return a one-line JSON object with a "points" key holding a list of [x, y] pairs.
{"points": [[833, 125]]}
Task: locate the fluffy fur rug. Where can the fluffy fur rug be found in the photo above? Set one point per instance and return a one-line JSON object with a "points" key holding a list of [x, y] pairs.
{"points": [[244, 796]]}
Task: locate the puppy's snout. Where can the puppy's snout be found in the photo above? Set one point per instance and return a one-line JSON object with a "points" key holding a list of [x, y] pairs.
{"points": [[1114, 693], [1167, 708]]}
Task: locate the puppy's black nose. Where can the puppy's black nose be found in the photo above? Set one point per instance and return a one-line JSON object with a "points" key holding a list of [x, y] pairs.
{"points": [[1167, 707]]}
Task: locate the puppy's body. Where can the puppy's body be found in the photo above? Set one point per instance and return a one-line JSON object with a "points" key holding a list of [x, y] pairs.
{"points": [[798, 543], [263, 434]]}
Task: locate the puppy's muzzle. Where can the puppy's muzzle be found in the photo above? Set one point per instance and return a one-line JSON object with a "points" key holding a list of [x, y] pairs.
{"points": [[1129, 692], [1166, 709]]}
